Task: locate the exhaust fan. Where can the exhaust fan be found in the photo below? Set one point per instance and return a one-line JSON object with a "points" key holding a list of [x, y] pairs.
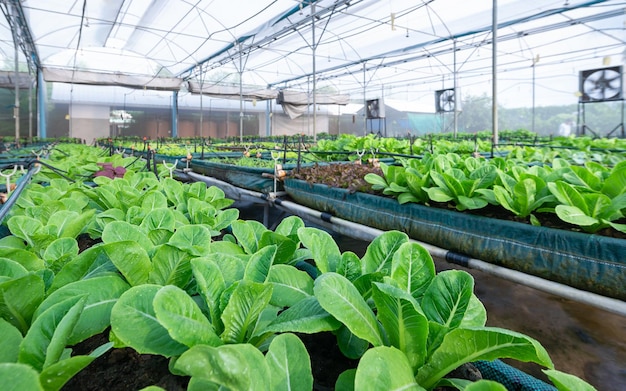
{"points": [[602, 84], [445, 100], [375, 109]]}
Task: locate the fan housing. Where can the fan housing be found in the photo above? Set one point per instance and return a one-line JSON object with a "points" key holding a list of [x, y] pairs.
{"points": [[375, 109], [445, 100], [601, 84]]}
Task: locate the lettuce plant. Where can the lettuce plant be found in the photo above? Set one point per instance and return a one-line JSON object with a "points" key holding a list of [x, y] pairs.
{"points": [[109, 171], [134, 197], [239, 293], [405, 183], [285, 366], [43, 215], [36, 331], [522, 196], [417, 325], [591, 211], [462, 183]]}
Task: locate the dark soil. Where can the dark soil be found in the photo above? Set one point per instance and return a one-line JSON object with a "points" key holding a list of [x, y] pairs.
{"points": [[327, 361], [126, 370], [346, 176], [122, 370]]}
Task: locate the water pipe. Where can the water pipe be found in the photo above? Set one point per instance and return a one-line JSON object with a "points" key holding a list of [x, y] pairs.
{"points": [[19, 187], [362, 232]]}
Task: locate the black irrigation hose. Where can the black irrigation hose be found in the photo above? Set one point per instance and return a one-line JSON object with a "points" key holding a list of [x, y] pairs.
{"points": [[133, 162], [54, 169], [23, 163], [57, 149]]}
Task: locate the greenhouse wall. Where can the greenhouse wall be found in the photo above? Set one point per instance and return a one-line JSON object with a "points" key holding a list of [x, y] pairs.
{"points": [[7, 121]]}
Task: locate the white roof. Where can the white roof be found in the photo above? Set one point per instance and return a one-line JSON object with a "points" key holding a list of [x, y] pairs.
{"points": [[404, 47]]}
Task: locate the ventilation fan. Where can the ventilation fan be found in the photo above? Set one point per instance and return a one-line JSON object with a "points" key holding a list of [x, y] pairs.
{"points": [[375, 109], [444, 100], [602, 84]]}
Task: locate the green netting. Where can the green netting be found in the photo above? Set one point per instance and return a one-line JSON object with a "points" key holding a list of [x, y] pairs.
{"points": [[590, 262], [512, 378], [250, 178]]}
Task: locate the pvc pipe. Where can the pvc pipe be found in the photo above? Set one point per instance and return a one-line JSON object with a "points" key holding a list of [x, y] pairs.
{"points": [[21, 184], [362, 232], [366, 233], [233, 192]]}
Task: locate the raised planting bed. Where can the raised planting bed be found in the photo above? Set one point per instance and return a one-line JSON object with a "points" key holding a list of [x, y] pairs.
{"points": [[251, 178], [260, 179], [590, 262]]}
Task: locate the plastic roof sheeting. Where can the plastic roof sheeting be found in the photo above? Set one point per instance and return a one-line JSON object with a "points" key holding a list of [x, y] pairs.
{"points": [[351, 46], [231, 92], [111, 79]]}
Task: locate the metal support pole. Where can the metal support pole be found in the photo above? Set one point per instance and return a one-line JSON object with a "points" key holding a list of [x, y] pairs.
{"points": [[41, 105], [364, 104], [268, 117], [456, 95], [30, 110], [16, 108], [314, 76], [240, 95], [175, 114], [533, 120], [201, 108], [494, 71], [533, 123]]}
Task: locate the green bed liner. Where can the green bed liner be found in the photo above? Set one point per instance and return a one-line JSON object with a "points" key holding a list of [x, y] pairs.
{"points": [[588, 262]]}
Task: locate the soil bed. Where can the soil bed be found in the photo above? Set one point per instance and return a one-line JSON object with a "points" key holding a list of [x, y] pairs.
{"points": [[126, 370], [350, 176]]}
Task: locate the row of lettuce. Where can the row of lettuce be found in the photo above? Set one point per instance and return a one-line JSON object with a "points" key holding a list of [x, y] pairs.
{"points": [[577, 150], [175, 272], [590, 196]]}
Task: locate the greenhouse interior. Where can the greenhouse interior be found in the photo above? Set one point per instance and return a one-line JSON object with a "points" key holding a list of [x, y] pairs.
{"points": [[312, 195]]}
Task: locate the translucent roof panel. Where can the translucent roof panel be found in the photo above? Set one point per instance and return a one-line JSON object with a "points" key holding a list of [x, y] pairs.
{"points": [[358, 47]]}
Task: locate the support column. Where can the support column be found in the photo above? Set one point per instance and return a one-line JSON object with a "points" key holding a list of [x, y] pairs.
{"points": [[456, 94], [364, 102], [175, 114], [240, 95], [268, 118], [314, 46], [16, 108], [41, 105], [494, 71]]}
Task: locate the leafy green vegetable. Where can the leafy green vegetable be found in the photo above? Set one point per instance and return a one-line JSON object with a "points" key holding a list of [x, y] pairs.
{"points": [[135, 323], [19, 299], [101, 294], [340, 298], [455, 185], [183, 319], [286, 366], [591, 211], [523, 196], [385, 368]]}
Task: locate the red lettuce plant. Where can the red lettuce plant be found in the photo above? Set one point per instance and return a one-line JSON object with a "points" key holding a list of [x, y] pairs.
{"points": [[109, 171]]}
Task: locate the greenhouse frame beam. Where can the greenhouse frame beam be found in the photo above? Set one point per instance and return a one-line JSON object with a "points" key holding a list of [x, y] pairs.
{"points": [[240, 48], [485, 29], [14, 14]]}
